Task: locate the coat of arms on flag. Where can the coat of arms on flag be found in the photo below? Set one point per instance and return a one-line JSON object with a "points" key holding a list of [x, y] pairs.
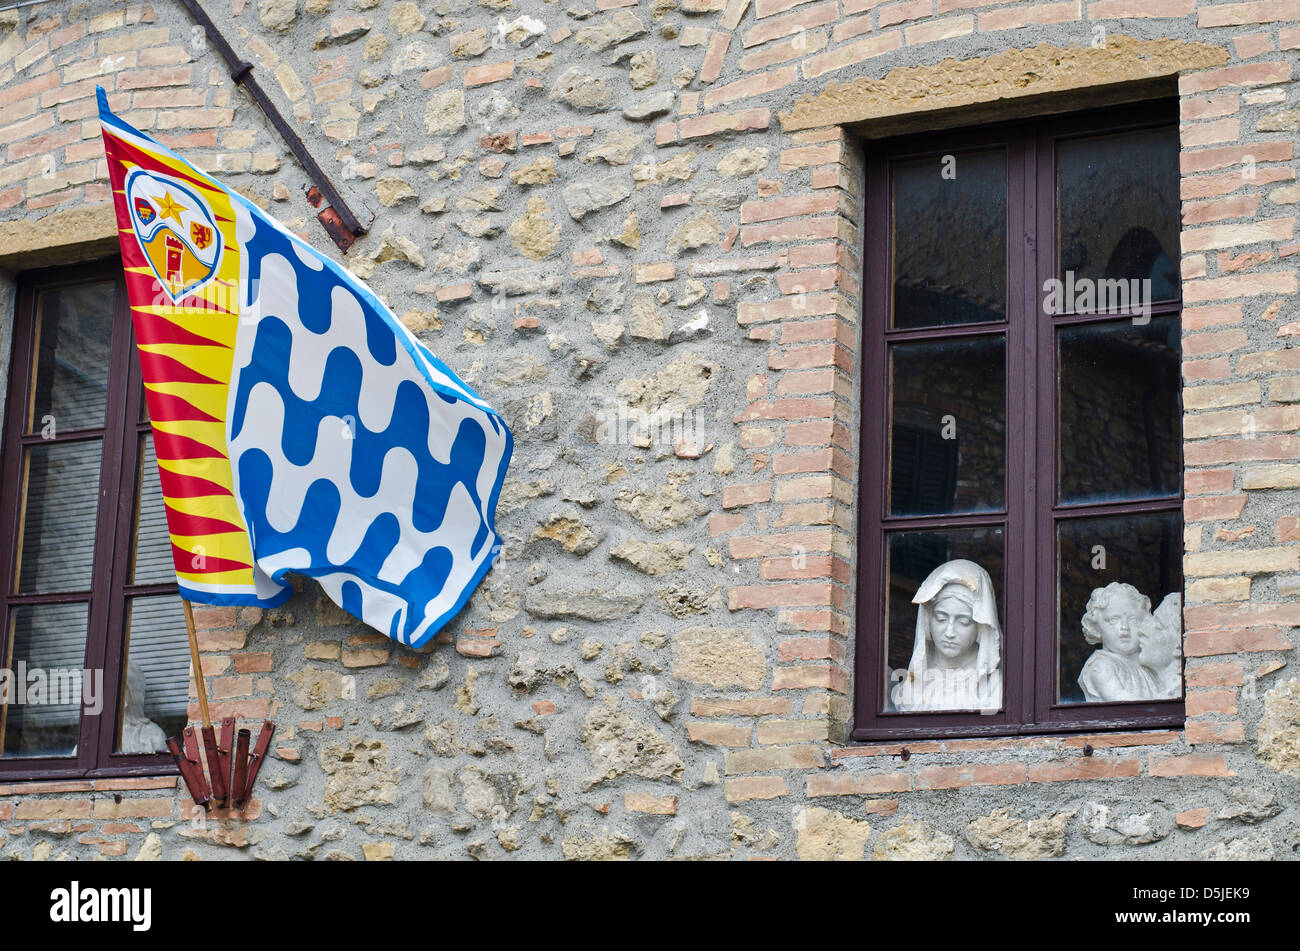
{"points": [[298, 425]]}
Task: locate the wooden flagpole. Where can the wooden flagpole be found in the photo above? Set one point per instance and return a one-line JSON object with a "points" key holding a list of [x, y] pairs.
{"points": [[215, 772]]}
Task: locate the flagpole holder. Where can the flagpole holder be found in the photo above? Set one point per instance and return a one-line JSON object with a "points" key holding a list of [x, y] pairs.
{"points": [[231, 767]]}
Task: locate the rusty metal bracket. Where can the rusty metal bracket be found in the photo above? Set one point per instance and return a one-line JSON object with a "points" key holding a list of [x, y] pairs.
{"points": [[241, 72]]}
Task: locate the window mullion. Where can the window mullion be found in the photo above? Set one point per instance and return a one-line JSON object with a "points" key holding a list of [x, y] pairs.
{"points": [[1021, 431], [103, 626], [1041, 455]]}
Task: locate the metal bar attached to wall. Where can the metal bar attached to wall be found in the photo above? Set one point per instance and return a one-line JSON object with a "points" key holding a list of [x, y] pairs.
{"points": [[241, 72], [26, 3]]}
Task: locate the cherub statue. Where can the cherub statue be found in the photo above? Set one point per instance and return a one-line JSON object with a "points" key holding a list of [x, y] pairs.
{"points": [[1113, 618], [1161, 650]]}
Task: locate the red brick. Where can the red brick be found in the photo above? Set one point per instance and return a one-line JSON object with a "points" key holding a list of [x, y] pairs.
{"points": [[1020, 15], [1213, 509], [1238, 14], [1085, 767], [1242, 285], [1193, 818], [1210, 107], [718, 734], [791, 230], [31, 87], [747, 788], [1193, 764], [780, 543], [134, 808], [903, 11], [650, 805], [713, 58], [714, 123], [955, 777], [157, 76], [860, 51], [851, 784], [734, 496], [1246, 74], [490, 73], [766, 8], [753, 211], [805, 567], [1215, 675], [1205, 481], [1205, 643], [811, 408], [811, 648], [804, 678], [1214, 731], [44, 809], [1139, 9], [796, 47], [743, 707], [26, 127], [800, 20], [1204, 160], [794, 306]]}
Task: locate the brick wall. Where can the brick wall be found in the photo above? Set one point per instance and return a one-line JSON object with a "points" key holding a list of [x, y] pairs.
{"points": [[662, 663]]}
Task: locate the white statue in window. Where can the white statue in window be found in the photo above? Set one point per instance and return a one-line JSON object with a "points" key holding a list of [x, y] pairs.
{"points": [[139, 733], [1161, 650], [1114, 618], [957, 650]]}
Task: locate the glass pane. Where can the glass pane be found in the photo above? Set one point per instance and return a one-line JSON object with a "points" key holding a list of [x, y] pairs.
{"points": [[58, 517], [943, 640], [155, 700], [1117, 197], [1119, 598], [950, 239], [948, 418], [73, 337], [1120, 421], [151, 561], [42, 710]]}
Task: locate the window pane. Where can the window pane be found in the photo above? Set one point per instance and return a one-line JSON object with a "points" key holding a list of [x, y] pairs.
{"points": [[950, 239], [1119, 415], [1119, 599], [74, 332], [151, 561], [156, 695], [43, 712], [947, 426], [943, 638], [1117, 198], [58, 517]]}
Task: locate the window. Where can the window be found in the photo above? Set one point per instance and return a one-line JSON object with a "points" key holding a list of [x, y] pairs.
{"points": [[1020, 562], [92, 633]]}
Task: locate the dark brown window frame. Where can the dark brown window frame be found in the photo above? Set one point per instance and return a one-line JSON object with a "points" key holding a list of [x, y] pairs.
{"points": [[115, 524], [1028, 658]]}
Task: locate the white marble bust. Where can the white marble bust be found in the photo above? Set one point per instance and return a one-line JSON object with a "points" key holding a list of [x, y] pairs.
{"points": [[957, 649], [1114, 618], [139, 733], [1161, 646]]}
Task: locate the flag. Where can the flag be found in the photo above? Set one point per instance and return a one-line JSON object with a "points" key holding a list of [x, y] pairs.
{"points": [[298, 426]]}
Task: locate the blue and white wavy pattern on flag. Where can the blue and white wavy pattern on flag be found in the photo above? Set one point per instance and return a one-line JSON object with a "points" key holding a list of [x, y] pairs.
{"points": [[359, 458]]}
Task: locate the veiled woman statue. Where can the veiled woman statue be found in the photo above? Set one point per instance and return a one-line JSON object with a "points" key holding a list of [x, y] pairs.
{"points": [[957, 651]]}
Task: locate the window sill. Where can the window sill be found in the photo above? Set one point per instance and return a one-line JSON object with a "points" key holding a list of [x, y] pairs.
{"points": [[32, 787], [1073, 741]]}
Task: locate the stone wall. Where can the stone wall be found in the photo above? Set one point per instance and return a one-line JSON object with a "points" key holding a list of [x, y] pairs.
{"points": [[626, 207]]}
